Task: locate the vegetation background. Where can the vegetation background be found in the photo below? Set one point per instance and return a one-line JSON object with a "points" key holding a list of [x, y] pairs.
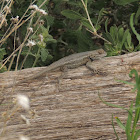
{"points": [[66, 29]]}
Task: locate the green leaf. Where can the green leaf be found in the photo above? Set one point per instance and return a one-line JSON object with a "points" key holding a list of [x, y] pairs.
{"points": [[114, 128], [133, 28], [86, 1], [71, 14], [137, 111], [29, 62], [130, 47], [44, 54], [47, 37], [121, 33], [125, 82], [109, 104], [137, 135], [109, 37], [133, 71], [114, 34], [41, 44], [99, 17], [50, 20], [2, 53], [129, 121], [76, 4], [137, 48], [3, 69], [129, 39], [136, 107], [120, 123], [87, 24], [124, 37], [106, 23], [83, 41], [124, 2], [137, 16]]}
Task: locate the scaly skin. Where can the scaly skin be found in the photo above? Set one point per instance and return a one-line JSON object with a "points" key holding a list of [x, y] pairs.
{"points": [[71, 61]]}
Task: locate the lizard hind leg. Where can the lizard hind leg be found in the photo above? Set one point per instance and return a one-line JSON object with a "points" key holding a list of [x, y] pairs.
{"points": [[95, 70]]}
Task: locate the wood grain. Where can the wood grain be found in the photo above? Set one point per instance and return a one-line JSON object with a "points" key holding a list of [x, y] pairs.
{"points": [[69, 107]]}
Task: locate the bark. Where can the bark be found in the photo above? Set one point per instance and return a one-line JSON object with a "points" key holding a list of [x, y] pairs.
{"points": [[66, 105]]}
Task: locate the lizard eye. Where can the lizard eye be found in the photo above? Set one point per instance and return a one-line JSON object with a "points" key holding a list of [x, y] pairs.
{"points": [[93, 57]]}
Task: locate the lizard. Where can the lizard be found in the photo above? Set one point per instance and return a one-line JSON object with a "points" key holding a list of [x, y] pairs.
{"points": [[71, 61]]}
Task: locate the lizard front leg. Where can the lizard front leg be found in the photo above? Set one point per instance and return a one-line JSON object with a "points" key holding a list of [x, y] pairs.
{"points": [[95, 70], [90, 67]]}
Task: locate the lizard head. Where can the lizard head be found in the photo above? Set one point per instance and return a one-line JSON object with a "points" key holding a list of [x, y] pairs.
{"points": [[98, 54]]}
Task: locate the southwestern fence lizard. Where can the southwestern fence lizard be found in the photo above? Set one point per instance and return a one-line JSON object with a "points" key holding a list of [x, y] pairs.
{"points": [[71, 61]]}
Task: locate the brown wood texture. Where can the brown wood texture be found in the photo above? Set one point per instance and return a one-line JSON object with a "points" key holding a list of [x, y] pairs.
{"points": [[68, 106]]}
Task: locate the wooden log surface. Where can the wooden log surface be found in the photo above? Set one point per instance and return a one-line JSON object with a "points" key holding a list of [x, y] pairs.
{"points": [[69, 107]]}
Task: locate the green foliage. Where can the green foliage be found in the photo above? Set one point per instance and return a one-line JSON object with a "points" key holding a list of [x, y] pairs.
{"points": [[119, 39], [130, 128], [70, 27], [124, 2], [133, 28], [76, 16], [2, 54], [3, 69], [19, 7], [128, 43], [66, 26], [39, 53], [71, 14], [137, 16]]}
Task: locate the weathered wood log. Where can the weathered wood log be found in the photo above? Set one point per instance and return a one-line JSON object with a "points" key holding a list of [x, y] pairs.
{"points": [[69, 107]]}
